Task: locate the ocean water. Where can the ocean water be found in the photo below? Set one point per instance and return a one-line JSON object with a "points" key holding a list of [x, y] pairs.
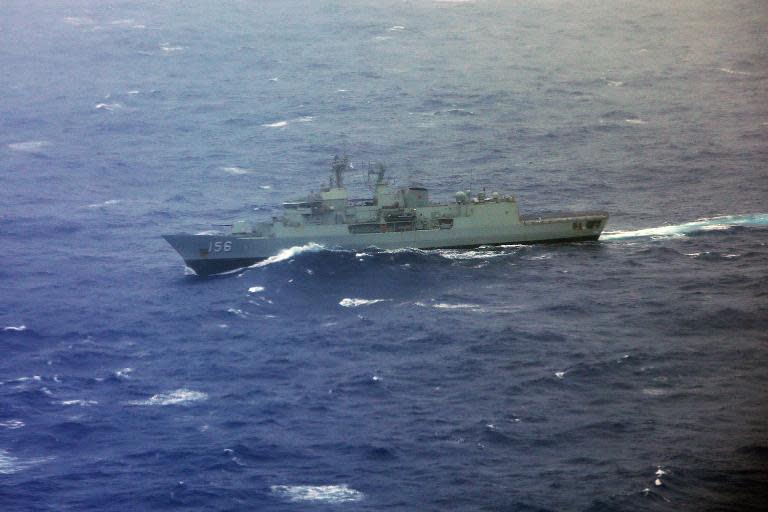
{"points": [[628, 374]]}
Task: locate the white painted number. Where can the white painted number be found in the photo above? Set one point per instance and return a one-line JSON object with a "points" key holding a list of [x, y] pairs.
{"points": [[219, 246]]}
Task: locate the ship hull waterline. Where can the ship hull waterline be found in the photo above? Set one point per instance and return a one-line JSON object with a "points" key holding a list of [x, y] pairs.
{"points": [[195, 250]]}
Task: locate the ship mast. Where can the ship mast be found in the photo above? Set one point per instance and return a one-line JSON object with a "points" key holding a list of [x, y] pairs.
{"points": [[339, 165]]}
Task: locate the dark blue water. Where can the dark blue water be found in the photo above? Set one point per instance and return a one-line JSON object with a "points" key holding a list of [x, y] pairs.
{"points": [[628, 374]]}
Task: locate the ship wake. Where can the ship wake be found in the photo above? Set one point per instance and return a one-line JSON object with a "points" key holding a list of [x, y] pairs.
{"points": [[688, 228]]}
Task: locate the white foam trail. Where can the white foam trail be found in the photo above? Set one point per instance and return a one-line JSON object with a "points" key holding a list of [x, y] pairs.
{"points": [[15, 328], [680, 230], [32, 146], [177, 397], [353, 303], [10, 464], [341, 493], [11, 424], [289, 253]]}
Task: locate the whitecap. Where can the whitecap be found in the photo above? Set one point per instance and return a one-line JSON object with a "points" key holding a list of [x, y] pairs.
{"points": [[341, 493], [15, 328], [32, 146], [11, 424], [110, 107], [284, 123], [82, 403], [237, 312], [177, 397], [166, 47], [133, 92], [122, 22], [734, 72], [278, 124], [78, 21], [654, 391], [397, 28], [265, 187], [634, 121], [237, 171], [274, 79], [353, 303], [443, 305], [255, 289], [123, 373], [559, 375], [109, 202]]}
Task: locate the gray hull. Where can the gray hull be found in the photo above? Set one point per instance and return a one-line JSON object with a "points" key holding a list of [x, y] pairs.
{"points": [[215, 254]]}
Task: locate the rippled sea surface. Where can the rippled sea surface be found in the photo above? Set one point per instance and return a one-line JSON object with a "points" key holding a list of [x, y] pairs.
{"points": [[627, 374]]}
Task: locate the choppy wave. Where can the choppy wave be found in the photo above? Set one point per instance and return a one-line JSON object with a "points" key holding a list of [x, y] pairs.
{"points": [[12, 424], [341, 493], [353, 303], [687, 228], [177, 397]]}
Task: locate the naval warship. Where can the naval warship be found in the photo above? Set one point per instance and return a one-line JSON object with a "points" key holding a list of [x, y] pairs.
{"points": [[394, 218]]}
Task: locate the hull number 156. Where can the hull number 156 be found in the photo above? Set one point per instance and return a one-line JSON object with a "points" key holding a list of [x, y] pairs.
{"points": [[219, 246]]}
